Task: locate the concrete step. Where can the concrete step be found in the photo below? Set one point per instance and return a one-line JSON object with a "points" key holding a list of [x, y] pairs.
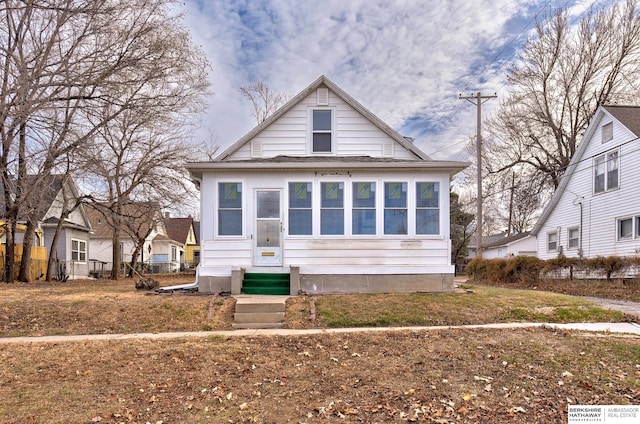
{"points": [[259, 311], [258, 317], [259, 307], [256, 326]]}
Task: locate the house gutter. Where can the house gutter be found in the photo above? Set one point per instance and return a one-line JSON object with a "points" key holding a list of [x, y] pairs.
{"points": [[198, 168]]}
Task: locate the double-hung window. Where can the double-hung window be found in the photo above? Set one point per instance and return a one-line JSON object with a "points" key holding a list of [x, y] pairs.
{"points": [[552, 241], [625, 229], [606, 172], [573, 238], [300, 214], [427, 210], [229, 209], [364, 208], [395, 208], [322, 130], [78, 250], [332, 209]]}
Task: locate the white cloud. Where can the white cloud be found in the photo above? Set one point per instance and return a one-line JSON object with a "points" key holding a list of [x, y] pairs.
{"points": [[405, 60]]}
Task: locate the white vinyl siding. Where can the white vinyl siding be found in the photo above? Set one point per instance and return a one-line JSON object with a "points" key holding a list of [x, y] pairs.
{"points": [[355, 135], [597, 214]]}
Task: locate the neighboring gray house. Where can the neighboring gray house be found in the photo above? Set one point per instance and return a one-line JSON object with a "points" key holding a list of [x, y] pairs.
{"points": [[55, 194], [595, 210], [327, 194]]}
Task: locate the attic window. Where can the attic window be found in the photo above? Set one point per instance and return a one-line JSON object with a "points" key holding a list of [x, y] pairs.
{"points": [[322, 130], [607, 132]]}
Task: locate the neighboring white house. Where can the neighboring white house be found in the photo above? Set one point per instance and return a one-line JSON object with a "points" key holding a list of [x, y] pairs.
{"points": [[523, 244], [595, 210], [159, 253], [326, 191]]}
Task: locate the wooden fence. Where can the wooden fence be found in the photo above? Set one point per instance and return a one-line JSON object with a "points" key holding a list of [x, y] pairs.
{"points": [[38, 261]]}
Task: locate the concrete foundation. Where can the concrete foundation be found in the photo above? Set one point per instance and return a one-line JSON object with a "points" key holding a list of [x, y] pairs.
{"points": [[398, 283], [338, 283], [214, 284]]}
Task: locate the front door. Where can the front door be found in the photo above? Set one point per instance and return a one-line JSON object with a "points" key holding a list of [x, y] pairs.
{"points": [[268, 240]]}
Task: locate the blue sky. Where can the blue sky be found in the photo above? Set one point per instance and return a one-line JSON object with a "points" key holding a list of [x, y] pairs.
{"points": [[407, 61]]}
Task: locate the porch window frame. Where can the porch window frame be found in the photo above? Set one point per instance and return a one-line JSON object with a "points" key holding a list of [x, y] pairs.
{"points": [[428, 207], [239, 209], [291, 185], [405, 185]]}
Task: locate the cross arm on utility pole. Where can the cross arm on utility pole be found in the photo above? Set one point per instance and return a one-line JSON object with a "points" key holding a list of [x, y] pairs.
{"points": [[478, 99]]}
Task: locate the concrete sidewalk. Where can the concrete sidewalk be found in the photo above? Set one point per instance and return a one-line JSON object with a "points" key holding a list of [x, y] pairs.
{"points": [[607, 328]]}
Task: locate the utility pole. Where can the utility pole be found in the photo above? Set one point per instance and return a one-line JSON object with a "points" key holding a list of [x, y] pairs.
{"points": [[478, 99]]}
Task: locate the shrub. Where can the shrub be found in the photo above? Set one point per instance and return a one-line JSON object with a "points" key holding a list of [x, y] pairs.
{"points": [[529, 269]]}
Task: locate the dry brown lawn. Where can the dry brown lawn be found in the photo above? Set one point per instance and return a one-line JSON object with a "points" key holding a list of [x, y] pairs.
{"points": [[474, 376]]}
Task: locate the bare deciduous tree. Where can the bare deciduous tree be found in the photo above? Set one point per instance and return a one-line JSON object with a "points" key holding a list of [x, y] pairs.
{"points": [[561, 76], [68, 68], [263, 99]]}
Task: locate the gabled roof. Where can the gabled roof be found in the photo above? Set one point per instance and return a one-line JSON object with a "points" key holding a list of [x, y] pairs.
{"points": [[140, 216], [324, 81], [505, 241], [45, 190], [628, 116], [178, 228]]}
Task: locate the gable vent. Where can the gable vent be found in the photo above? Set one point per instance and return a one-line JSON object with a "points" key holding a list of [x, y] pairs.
{"points": [[256, 149], [322, 97], [387, 148]]}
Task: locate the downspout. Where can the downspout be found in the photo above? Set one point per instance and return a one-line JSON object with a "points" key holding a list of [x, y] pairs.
{"points": [[579, 200], [580, 241]]}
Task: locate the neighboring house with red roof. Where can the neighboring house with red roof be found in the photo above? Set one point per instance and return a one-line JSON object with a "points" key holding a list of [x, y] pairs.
{"points": [[183, 231], [328, 196], [595, 209]]}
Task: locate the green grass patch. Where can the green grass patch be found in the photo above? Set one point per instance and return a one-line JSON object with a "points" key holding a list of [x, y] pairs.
{"points": [[484, 305]]}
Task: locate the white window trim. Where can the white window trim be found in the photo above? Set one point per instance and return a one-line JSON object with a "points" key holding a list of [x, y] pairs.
{"points": [[310, 131], [316, 184], [243, 207], [80, 242], [633, 236], [605, 155], [554, 232], [569, 247], [602, 131]]}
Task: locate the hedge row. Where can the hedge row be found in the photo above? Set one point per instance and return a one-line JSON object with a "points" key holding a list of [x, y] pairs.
{"points": [[529, 269]]}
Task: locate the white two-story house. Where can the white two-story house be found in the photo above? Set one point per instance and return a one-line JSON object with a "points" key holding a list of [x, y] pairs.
{"points": [[325, 192], [596, 209]]}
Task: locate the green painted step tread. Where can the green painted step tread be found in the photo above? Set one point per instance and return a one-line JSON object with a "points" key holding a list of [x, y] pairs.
{"points": [[266, 290]]}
